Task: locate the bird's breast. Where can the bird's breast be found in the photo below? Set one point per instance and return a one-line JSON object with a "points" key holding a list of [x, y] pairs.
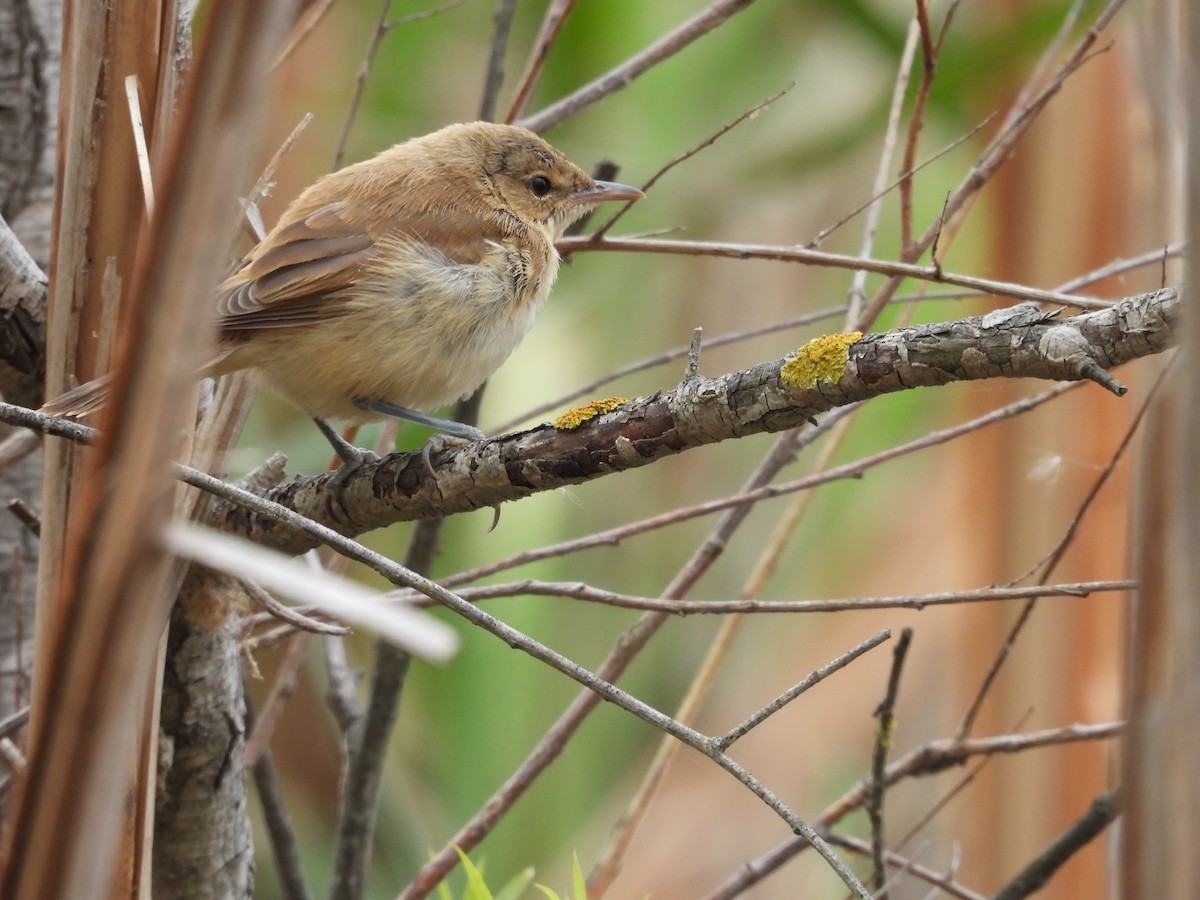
{"points": [[422, 330]]}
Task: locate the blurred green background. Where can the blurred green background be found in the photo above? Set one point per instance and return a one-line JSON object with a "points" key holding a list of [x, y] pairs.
{"points": [[960, 516]]}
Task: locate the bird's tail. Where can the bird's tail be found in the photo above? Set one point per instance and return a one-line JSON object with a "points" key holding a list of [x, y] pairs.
{"points": [[79, 401]]}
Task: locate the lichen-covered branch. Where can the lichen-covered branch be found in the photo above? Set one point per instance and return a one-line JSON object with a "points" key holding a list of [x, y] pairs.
{"points": [[1024, 341]]}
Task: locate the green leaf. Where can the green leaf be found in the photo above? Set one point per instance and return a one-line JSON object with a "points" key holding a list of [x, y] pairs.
{"points": [[516, 885], [578, 882], [477, 889]]}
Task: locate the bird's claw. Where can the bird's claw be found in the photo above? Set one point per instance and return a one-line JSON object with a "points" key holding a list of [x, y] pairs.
{"points": [[439, 442]]}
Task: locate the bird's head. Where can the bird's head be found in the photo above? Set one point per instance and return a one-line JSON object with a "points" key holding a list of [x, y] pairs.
{"points": [[519, 174]]}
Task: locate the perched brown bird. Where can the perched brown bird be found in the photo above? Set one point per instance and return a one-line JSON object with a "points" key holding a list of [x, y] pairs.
{"points": [[402, 282]]}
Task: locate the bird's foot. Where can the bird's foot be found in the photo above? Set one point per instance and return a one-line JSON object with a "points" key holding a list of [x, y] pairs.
{"points": [[452, 434], [353, 458]]}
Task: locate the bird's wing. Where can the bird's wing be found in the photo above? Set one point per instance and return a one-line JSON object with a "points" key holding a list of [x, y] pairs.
{"points": [[295, 275]]}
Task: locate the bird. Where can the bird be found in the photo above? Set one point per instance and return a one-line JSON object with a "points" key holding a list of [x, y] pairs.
{"points": [[399, 284]]}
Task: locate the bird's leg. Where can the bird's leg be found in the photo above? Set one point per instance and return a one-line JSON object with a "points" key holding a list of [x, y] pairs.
{"points": [[352, 457], [451, 432]]}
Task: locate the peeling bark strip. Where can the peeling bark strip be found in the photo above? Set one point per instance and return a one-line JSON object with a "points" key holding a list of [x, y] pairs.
{"points": [[1019, 342]]}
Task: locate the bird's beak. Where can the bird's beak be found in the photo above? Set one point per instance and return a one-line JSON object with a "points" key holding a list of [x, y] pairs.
{"points": [[608, 190]]}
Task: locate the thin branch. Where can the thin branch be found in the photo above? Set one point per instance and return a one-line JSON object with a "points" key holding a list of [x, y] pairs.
{"points": [[623, 75], [360, 80], [875, 208], [287, 679], [729, 250], [626, 648], [929, 53], [884, 735], [1050, 562], [684, 157], [10, 725], [1104, 809], [552, 23], [739, 731], [263, 185], [305, 25], [1024, 113], [342, 697], [581, 591], [502, 24], [1119, 266], [367, 733], [382, 27], [895, 860], [959, 786], [908, 173], [929, 759], [608, 862], [284, 846], [359, 798], [285, 613]]}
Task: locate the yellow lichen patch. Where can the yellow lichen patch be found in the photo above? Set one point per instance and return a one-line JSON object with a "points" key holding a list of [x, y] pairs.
{"points": [[821, 359], [573, 418]]}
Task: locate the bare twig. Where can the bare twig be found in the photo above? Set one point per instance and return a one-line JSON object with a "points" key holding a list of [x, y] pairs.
{"points": [[625, 650], [875, 207], [10, 725], [366, 733], [608, 862], [957, 142], [668, 45], [552, 23], [1050, 562], [284, 846], [934, 757], [727, 250], [739, 731], [341, 697], [25, 514], [958, 787], [883, 742], [502, 23], [360, 80], [895, 860], [684, 157], [304, 26], [285, 613], [1100, 814], [262, 186], [287, 678], [382, 27], [589, 593], [1025, 111]]}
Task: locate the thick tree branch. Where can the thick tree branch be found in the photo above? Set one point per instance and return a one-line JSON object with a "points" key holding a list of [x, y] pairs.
{"points": [[1020, 342]]}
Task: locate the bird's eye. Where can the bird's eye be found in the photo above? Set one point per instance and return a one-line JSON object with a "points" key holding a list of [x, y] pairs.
{"points": [[540, 185]]}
